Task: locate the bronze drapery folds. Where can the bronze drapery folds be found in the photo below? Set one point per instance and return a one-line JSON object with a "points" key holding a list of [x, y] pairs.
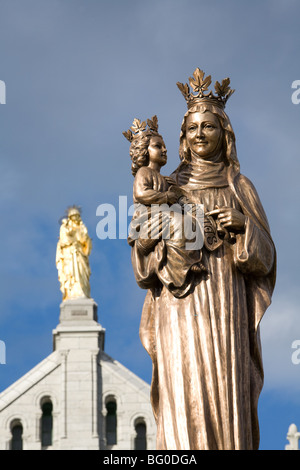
{"points": [[203, 338]]}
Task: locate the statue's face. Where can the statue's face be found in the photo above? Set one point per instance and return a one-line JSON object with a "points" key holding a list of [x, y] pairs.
{"points": [[203, 133], [157, 151], [75, 218]]}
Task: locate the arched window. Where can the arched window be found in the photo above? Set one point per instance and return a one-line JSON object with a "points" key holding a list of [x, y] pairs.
{"points": [[140, 440], [46, 423], [16, 442], [111, 422]]}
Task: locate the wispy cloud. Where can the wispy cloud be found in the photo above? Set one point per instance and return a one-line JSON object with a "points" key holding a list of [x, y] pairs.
{"points": [[279, 329]]}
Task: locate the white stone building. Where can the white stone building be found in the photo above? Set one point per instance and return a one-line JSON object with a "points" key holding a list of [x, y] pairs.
{"points": [[78, 397], [293, 437]]}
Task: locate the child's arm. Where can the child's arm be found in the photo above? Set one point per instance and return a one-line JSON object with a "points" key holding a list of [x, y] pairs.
{"points": [[144, 193]]}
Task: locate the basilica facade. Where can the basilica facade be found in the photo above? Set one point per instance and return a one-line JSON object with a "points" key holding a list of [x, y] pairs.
{"points": [[78, 398]]}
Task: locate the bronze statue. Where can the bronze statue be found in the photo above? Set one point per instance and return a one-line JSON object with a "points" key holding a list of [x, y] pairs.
{"points": [[205, 344], [152, 192], [72, 256]]}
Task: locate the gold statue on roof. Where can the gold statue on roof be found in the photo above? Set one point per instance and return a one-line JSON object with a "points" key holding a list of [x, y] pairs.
{"points": [[72, 256]]}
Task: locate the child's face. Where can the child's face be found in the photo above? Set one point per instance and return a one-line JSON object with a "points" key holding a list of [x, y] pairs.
{"points": [[157, 151]]}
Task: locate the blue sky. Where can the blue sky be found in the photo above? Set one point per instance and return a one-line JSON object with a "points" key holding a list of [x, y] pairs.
{"points": [[77, 73]]}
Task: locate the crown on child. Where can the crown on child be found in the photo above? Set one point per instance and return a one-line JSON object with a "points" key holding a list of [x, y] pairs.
{"points": [[138, 127], [73, 210], [199, 85]]}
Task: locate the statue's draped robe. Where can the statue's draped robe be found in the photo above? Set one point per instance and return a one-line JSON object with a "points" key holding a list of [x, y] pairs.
{"points": [[72, 261], [149, 192], [205, 347]]}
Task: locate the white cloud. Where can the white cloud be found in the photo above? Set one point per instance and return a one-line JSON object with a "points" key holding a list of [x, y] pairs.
{"points": [[279, 329]]}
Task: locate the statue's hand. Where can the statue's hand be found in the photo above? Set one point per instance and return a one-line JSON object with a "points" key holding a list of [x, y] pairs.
{"points": [[174, 191], [172, 196], [229, 218], [170, 180]]}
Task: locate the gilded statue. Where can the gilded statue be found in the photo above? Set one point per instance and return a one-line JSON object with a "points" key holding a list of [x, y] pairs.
{"points": [[72, 256], [203, 337]]}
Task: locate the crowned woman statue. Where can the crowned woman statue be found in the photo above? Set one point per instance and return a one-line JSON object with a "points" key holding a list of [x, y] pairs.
{"points": [[72, 256], [205, 345]]}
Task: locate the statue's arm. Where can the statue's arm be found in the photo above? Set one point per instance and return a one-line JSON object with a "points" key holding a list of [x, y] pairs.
{"points": [[254, 250], [143, 190]]}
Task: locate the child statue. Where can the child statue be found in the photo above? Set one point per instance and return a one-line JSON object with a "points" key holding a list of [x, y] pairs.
{"points": [[158, 213]]}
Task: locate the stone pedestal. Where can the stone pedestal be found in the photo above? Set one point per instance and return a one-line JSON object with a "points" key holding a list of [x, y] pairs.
{"points": [[78, 317], [80, 339], [81, 310]]}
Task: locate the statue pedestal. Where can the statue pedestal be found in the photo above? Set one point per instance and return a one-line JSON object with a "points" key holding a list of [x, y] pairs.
{"points": [[79, 339], [78, 319], [78, 311]]}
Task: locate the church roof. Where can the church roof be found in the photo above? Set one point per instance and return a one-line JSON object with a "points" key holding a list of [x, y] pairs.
{"points": [[30, 379], [115, 367]]}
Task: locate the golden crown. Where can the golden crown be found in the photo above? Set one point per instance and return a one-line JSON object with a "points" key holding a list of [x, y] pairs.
{"points": [[72, 210], [138, 127], [200, 85]]}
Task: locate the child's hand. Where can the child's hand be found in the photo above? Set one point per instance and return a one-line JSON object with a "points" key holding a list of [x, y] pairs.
{"points": [[172, 196], [170, 181], [174, 187]]}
